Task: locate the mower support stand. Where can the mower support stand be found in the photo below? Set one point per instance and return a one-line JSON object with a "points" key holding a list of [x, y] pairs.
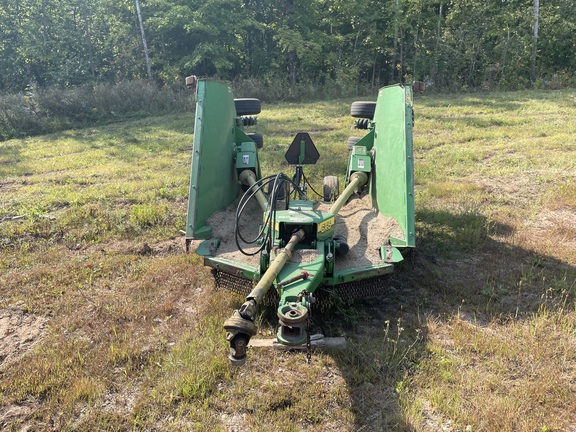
{"points": [[317, 341]]}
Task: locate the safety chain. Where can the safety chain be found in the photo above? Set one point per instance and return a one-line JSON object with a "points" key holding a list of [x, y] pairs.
{"points": [[308, 326], [309, 301], [308, 343]]}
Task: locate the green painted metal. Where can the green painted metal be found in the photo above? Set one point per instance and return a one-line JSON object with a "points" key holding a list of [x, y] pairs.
{"points": [[233, 267], [318, 225], [208, 247], [282, 257], [315, 268], [245, 143], [391, 254], [213, 181], [293, 317], [293, 299], [359, 273], [224, 156], [246, 156], [392, 185], [367, 140], [359, 159], [220, 145]]}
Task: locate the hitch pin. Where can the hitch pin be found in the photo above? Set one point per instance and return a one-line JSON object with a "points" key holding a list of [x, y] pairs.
{"points": [[304, 275]]}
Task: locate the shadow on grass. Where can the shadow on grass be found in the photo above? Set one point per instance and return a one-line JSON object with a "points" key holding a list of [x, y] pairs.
{"points": [[288, 130], [499, 102], [11, 160], [133, 140], [477, 279]]}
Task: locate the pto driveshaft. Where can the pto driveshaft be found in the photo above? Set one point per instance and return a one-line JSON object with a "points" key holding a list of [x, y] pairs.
{"points": [[240, 326]]}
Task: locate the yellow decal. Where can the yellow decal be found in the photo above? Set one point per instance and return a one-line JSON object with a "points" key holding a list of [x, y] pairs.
{"points": [[325, 226]]}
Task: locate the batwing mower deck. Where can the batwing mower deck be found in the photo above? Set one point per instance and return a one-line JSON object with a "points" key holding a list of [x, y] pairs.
{"points": [[264, 232]]}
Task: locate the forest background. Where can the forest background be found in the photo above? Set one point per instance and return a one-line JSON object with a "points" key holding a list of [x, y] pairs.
{"points": [[59, 58]]}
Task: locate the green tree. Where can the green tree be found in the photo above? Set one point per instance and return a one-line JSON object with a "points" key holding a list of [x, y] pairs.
{"points": [[201, 37], [556, 53], [454, 44]]}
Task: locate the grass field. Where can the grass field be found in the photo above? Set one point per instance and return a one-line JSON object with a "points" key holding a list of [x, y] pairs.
{"points": [[107, 324]]}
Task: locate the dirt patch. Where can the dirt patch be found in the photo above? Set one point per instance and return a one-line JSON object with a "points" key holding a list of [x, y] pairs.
{"points": [[304, 256], [121, 403], [11, 415], [365, 230], [19, 332], [167, 247], [547, 219], [235, 422], [433, 421], [516, 190]]}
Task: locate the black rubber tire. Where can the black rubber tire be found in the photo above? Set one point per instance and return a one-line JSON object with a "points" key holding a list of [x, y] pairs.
{"points": [[343, 247], [363, 109], [247, 106], [331, 188], [352, 141], [257, 138]]}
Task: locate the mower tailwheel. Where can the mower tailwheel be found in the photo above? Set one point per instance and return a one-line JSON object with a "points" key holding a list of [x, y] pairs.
{"points": [[331, 188], [247, 106], [363, 109], [257, 138], [352, 141]]}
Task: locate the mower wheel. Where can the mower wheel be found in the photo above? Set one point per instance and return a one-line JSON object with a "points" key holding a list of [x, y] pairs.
{"points": [[257, 138], [247, 106], [363, 109], [331, 188], [352, 141]]}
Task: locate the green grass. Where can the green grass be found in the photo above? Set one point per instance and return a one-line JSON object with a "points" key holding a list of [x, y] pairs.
{"points": [[477, 334]]}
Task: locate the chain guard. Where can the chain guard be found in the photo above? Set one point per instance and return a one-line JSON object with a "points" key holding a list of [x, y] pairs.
{"points": [[326, 296], [242, 287]]}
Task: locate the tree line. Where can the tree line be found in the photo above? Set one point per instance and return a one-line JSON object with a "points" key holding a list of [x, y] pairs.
{"points": [[449, 44]]}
